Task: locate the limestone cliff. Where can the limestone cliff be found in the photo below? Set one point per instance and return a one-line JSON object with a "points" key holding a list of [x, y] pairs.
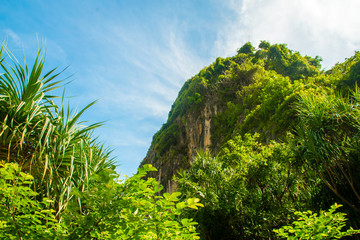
{"points": [[192, 132]]}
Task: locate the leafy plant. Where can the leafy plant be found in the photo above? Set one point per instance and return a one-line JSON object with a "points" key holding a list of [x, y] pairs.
{"points": [[47, 141], [130, 210], [22, 216], [325, 225], [328, 142]]}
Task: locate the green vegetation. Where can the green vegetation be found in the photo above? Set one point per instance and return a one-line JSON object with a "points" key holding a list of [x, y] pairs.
{"points": [[58, 182], [285, 147], [326, 225], [285, 138], [22, 215], [247, 190]]}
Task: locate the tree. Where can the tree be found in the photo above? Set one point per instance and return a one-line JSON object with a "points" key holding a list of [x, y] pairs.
{"points": [[264, 45], [280, 58], [354, 75], [247, 190], [247, 48]]}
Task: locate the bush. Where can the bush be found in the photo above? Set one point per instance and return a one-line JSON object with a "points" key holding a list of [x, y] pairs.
{"points": [[22, 216], [326, 225]]}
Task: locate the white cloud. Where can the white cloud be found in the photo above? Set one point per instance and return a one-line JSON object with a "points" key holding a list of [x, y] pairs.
{"points": [[330, 28]]}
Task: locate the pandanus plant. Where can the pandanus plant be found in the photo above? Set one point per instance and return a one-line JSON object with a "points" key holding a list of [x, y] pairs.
{"points": [[45, 140], [329, 142]]}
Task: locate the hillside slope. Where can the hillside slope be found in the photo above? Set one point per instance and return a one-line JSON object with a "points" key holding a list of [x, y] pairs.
{"points": [[249, 92]]}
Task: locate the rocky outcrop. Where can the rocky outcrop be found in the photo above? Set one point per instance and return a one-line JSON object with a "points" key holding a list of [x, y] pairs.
{"points": [[194, 134]]}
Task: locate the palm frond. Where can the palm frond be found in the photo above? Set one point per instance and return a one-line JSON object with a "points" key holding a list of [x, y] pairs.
{"points": [[46, 140]]}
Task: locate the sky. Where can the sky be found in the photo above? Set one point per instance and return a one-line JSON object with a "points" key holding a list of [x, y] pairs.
{"points": [[134, 56]]}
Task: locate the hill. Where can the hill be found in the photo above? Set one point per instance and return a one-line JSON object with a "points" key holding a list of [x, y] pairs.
{"points": [[250, 92], [259, 134]]}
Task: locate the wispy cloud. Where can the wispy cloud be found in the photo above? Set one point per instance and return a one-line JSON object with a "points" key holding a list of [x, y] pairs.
{"points": [[145, 71], [135, 73], [14, 37]]}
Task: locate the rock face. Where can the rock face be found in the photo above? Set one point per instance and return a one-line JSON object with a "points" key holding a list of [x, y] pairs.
{"points": [[198, 129], [189, 128], [193, 135]]}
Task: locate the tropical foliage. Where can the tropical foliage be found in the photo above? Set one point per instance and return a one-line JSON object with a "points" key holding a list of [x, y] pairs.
{"points": [[22, 215], [285, 146], [248, 189], [45, 140], [286, 141], [325, 225], [58, 182]]}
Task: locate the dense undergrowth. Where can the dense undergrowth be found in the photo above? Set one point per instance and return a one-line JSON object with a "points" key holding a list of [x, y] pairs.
{"points": [[288, 140], [285, 139]]}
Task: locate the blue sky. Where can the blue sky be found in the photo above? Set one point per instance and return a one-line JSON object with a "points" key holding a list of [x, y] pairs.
{"points": [[134, 56]]}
